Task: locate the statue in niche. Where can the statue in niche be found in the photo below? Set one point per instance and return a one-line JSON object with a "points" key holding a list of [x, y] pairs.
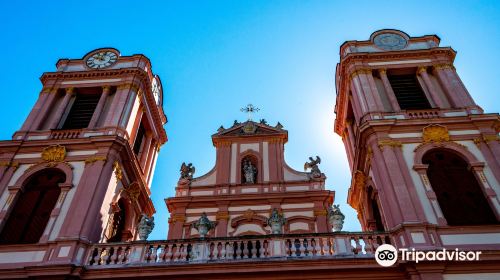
{"points": [[249, 171]]}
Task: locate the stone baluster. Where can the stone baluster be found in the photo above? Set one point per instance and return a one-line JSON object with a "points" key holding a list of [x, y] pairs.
{"points": [[238, 250], [183, 253], [176, 253], [302, 247], [230, 251], [161, 256], [254, 248], [317, 248], [168, 254], [246, 251], [223, 250]]}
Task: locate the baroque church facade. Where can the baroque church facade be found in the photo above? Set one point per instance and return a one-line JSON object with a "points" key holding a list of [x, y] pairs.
{"points": [[75, 179]]}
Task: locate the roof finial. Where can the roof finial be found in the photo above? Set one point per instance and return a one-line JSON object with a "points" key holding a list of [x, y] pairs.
{"points": [[250, 109]]}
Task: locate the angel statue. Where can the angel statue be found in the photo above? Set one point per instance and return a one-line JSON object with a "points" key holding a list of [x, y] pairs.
{"points": [[187, 171], [313, 165]]}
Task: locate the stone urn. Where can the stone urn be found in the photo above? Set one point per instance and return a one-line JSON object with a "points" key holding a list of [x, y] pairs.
{"points": [[145, 226], [276, 222], [204, 225], [336, 218]]}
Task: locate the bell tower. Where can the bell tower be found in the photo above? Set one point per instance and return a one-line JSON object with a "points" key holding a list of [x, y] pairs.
{"points": [[80, 167], [425, 158]]}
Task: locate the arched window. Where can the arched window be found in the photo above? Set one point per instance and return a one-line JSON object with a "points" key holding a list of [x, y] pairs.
{"points": [[33, 207], [249, 170], [458, 193], [117, 224]]}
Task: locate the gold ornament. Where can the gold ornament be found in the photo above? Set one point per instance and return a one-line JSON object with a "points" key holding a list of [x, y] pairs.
{"points": [[54, 154], [435, 133], [133, 191], [118, 170]]}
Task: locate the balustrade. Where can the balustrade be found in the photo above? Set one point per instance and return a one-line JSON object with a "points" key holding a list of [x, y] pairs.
{"points": [[237, 248]]}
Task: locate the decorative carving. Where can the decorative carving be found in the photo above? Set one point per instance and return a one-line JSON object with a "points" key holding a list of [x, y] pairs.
{"points": [[177, 218], [421, 69], [249, 127], [54, 154], [133, 191], [279, 125], [93, 159], [444, 66], [435, 133], [118, 170], [313, 165], [235, 123], [263, 121], [187, 171], [361, 71], [249, 171], [145, 226], [359, 179], [486, 139], [390, 143], [12, 164], [221, 129], [222, 216], [204, 225], [276, 221], [248, 214], [318, 213], [336, 218]]}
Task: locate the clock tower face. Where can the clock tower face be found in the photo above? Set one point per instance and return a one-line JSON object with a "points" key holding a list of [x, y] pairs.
{"points": [[101, 59]]}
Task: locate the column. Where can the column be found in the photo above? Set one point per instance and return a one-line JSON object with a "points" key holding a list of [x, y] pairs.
{"points": [[143, 155], [477, 169], [55, 212], [32, 117], [42, 115], [431, 195], [457, 85], [433, 95], [388, 90], [100, 105], [453, 96], [222, 218], [61, 108]]}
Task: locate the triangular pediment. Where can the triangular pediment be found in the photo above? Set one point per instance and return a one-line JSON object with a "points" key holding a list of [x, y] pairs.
{"points": [[250, 128]]}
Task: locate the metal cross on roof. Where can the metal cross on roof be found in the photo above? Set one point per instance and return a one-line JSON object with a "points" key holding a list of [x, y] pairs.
{"points": [[250, 109]]}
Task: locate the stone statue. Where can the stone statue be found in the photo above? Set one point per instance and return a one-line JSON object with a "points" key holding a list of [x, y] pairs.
{"points": [[276, 222], [204, 225], [263, 121], [250, 172], [145, 226], [187, 171], [335, 218], [313, 165]]}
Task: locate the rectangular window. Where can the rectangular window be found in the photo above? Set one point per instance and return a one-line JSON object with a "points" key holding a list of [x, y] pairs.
{"points": [[141, 133], [81, 111], [408, 92]]}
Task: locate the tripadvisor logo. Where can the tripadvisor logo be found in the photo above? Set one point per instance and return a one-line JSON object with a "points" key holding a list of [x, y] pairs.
{"points": [[387, 255]]}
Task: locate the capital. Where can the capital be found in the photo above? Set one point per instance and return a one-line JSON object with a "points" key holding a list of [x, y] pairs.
{"points": [[421, 70], [70, 90], [106, 89]]}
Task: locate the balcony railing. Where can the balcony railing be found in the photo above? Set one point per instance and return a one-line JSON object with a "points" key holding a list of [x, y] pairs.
{"points": [[65, 134], [250, 248]]}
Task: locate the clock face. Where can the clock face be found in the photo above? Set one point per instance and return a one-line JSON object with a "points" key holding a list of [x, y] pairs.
{"points": [[390, 41], [102, 59]]}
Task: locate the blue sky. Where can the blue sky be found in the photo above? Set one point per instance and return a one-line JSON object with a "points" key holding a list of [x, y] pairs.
{"points": [[214, 57]]}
